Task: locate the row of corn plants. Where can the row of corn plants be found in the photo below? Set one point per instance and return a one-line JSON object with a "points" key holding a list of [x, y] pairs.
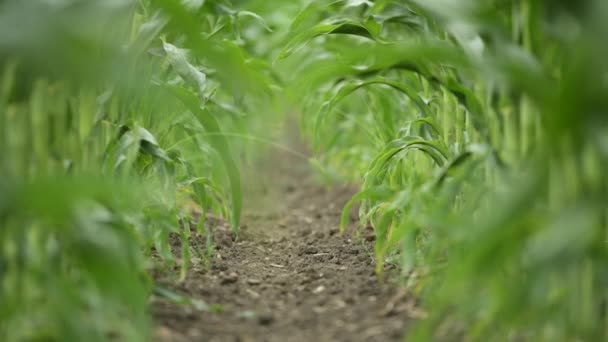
{"points": [[115, 120], [478, 131]]}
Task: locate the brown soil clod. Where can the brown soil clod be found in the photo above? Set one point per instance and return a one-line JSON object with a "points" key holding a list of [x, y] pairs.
{"points": [[265, 319], [227, 279]]}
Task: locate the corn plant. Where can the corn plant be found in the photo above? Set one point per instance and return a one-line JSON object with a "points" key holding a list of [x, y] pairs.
{"points": [[477, 131], [112, 121]]}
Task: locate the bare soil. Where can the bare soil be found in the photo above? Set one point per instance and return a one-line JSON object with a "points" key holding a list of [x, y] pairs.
{"points": [[289, 275]]}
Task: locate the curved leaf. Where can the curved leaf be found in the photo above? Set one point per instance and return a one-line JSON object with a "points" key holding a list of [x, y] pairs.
{"points": [[353, 86], [219, 143], [375, 193], [348, 27]]}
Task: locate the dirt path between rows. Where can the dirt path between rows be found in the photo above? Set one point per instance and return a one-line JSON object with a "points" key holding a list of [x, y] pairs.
{"points": [[290, 275]]}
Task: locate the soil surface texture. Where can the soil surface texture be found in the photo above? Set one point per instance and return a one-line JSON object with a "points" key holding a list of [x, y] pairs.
{"points": [[289, 275]]}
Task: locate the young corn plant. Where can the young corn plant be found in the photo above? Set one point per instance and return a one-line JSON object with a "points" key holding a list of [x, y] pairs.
{"points": [[476, 131], [112, 121]]}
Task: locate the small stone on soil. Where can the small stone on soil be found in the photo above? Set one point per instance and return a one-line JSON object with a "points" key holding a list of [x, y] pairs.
{"points": [[163, 332], [319, 310], [220, 266], [353, 251], [265, 319], [254, 281], [310, 250], [305, 232], [253, 294], [229, 279]]}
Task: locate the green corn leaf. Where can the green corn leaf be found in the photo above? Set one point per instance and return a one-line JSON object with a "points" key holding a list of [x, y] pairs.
{"points": [[186, 255], [382, 228], [352, 86], [149, 145], [220, 143], [312, 12], [430, 122], [347, 27], [255, 16], [477, 150], [376, 193], [176, 298], [470, 101], [434, 150], [179, 61]]}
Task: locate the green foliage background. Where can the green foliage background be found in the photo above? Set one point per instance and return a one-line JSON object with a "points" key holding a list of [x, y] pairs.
{"points": [[113, 119], [477, 131]]}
